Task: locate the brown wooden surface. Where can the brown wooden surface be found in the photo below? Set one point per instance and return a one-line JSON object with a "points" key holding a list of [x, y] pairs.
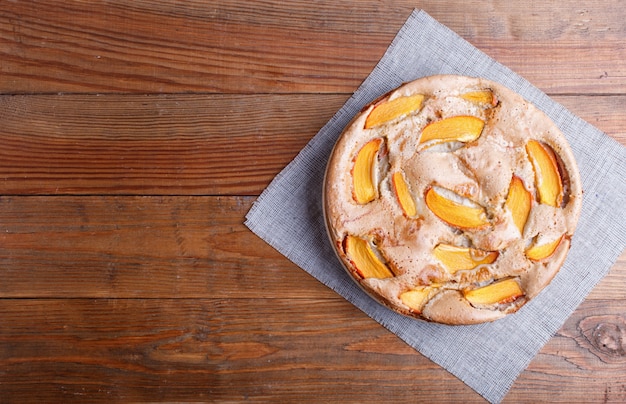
{"points": [[135, 136]]}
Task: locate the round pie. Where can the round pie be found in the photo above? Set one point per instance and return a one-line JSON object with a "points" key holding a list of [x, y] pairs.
{"points": [[452, 199]]}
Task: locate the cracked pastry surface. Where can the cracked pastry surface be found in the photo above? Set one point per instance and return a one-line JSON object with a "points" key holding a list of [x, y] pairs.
{"points": [[452, 199]]}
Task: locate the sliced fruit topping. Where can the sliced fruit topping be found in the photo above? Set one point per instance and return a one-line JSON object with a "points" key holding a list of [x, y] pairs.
{"points": [[393, 109], [547, 177], [364, 172], [519, 202], [406, 201], [458, 128], [456, 258], [468, 215], [416, 298], [503, 291], [364, 259], [481, 97], [538, 252]]}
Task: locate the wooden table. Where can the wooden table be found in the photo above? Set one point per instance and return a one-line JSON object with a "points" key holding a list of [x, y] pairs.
{"points": [[135, 136]]}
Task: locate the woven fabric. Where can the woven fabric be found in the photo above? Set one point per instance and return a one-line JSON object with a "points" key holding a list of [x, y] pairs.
{"points": [[487, 357]]}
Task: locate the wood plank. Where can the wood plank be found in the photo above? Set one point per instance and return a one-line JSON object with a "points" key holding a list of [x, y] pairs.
{"points": [[140, 247], [154, 144], [211, 349], [597, 111], [155, 247], [236, 349], [135, 136], [586, 358], [181, 144], [157, 46]]}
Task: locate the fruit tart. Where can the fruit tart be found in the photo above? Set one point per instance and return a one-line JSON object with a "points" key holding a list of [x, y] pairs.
{"points": [[452, 199]]}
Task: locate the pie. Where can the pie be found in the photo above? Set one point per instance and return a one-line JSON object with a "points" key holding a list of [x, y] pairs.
{"points": [[452, 199]]}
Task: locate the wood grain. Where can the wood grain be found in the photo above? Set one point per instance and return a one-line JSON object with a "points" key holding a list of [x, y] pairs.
{"points": [[198, 349], [179, 144], [182, 144], [135, 136], [594, 338], [278, 47], [153, 247], [148, 247]]}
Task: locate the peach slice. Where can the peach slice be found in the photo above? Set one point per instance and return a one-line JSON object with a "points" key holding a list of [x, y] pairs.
{"points": [[543, 251], [481, 97], [404, 196], [416, 298], [454, 213], [457, 128], [393, 109], [519, 202], [364, 171], [503, 291], [364, 259], [547, 177], [462, 258]]}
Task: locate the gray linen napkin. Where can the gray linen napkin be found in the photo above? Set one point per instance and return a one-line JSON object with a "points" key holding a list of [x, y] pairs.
{"points": [[487, 357]]}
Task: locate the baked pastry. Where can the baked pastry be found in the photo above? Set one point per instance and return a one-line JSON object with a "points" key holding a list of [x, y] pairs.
{"points": [[452, 199]]}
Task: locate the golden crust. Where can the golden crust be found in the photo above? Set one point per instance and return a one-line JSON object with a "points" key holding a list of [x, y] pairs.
{"points": [[472, 170]]}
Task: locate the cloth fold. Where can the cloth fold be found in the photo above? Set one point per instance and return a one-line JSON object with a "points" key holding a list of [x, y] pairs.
{"points": [[288, 215]]}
